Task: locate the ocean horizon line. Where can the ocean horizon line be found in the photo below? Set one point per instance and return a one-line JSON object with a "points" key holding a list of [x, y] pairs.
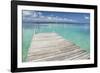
{"points": [[55, 22]]}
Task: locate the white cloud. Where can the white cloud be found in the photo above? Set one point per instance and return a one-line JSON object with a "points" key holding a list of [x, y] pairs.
{"points": [[39, 13], [31, 13], [27, 13], [34, 14], [38, 16], [86, 17]]}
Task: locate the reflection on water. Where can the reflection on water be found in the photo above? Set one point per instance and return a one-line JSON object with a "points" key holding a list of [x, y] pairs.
{"points": [[76, 33]]}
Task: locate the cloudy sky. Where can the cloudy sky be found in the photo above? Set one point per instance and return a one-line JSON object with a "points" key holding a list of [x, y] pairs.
{"points": [[31, 15]]}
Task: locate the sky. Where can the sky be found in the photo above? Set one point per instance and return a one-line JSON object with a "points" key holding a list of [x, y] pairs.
{"points": [[32, 15]]}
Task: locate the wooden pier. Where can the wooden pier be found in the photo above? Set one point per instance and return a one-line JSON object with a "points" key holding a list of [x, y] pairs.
{"points": [[52, 47]]}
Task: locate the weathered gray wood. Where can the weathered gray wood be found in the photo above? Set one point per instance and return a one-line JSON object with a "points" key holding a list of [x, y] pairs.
{"points": [[52, 47]]}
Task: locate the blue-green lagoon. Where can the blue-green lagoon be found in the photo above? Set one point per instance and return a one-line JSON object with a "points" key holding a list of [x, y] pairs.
{"points": [[79, 34]]}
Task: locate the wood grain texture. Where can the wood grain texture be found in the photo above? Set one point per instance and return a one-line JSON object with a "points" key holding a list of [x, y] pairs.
{"points": [[52, 47]]}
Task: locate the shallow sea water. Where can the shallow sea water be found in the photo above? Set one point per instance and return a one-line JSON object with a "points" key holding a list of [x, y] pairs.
{"points": [[76, 33]]}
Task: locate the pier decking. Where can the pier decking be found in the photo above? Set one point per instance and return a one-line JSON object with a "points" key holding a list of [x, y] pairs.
{"points": [[52, 47]]}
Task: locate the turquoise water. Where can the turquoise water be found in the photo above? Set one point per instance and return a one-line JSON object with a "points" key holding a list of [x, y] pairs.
{"points": [[76, 33]]}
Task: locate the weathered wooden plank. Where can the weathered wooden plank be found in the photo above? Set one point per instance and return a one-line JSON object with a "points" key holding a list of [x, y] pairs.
{"points": [[51, 47]]}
